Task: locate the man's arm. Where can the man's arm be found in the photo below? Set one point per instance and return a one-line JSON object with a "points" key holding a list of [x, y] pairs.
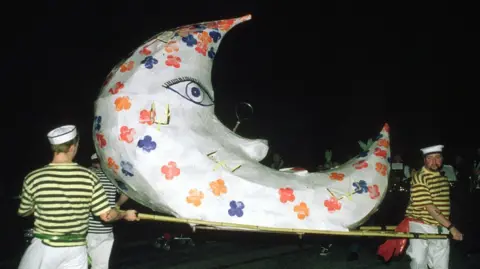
{"points": [[121, 200], [100, 206], [26, 202], [438, 216]]}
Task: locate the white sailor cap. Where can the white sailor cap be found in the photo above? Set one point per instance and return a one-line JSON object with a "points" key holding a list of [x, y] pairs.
{"points": [[432, 149], [94, 157], [62, 134]]}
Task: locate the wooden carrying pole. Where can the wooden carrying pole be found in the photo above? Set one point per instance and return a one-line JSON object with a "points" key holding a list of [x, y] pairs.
{"points": [[254, 228]]}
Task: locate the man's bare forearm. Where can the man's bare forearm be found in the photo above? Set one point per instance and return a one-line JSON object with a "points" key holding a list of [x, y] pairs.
{"points": [[438, 216], [122, 199]]}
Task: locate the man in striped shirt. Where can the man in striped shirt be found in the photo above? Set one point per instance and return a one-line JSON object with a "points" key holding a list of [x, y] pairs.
{"points": [[100, 234], [429, 212], [61, 195]]}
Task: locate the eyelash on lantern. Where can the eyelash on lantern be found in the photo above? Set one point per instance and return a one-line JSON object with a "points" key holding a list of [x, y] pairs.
{"points": [[183, 79]]}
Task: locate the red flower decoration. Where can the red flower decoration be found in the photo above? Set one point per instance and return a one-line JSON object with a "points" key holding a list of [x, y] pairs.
{"points": [[170, 170], [373, 191], [332, 204], [286, 195]]}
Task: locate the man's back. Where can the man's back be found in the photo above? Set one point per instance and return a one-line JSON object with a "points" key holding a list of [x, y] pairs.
{"points": [[62, 196]]}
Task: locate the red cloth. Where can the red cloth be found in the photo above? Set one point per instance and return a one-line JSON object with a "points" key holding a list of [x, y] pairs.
{"points": [[395, 247]]}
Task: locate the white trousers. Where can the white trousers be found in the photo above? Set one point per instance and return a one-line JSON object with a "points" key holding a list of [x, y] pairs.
{"points": [[99, 247], [434, 253], [41, 256]]}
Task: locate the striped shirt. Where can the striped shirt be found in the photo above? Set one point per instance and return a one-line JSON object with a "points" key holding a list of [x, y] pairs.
{"points": [[95, 225], [428, 188], [61, 197]]}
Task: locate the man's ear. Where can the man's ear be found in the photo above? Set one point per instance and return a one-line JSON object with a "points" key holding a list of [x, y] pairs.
{"points": [[72, 148]]}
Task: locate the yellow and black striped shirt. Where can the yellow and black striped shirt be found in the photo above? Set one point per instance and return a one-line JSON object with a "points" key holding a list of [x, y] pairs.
{"points": [[428, 187], [61, 197]]}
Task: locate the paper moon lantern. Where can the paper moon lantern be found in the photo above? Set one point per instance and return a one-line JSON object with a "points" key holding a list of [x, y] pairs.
{"points": [[160, 142]]}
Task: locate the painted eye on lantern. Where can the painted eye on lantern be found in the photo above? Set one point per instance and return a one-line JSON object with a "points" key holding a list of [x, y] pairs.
{"points": [[190, 89]]}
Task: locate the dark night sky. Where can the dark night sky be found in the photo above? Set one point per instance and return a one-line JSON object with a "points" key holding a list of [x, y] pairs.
{"points": [[318, 77]]}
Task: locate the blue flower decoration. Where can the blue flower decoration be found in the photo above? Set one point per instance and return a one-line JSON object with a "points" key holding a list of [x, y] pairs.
{"points": [[363, 154], [147, 144], [215, 36], [211, 53], [127, 168], [121, 185], [189, 40], [389, 159], [236, 209], [97, 123], [149, 62], [360, 187], [378, 137]]}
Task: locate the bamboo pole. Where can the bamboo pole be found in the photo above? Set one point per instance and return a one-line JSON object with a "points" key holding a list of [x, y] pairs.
{"points": [[377, 228], [240, 227]]}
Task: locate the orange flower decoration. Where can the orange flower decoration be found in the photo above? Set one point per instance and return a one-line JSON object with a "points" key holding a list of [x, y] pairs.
{"points": [[116, 88], [381, 169], [122, 103], [170, 170], [171, 47], [332, 204], [286, 195], [225, 25], [337, 176], [218, 187], [195, 197], [112, 164], [127, 66], [383, 143], [204, 37], [302, 210]]}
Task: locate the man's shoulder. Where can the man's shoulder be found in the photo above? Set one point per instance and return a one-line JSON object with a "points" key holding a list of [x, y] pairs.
{"points": [[420, 176], [50, 170]]}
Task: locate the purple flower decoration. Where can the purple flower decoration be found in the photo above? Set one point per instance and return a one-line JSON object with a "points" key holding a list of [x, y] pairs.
{"points": [[127, 168], [215, 36], [211, 53], [363, 154], [360, 187], [236, 209], [149, 62], [189, 40], [98, 123], [147, 144]]}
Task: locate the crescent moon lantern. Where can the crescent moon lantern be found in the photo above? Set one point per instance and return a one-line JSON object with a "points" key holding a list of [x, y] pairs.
{"points": [[159, 141]]}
